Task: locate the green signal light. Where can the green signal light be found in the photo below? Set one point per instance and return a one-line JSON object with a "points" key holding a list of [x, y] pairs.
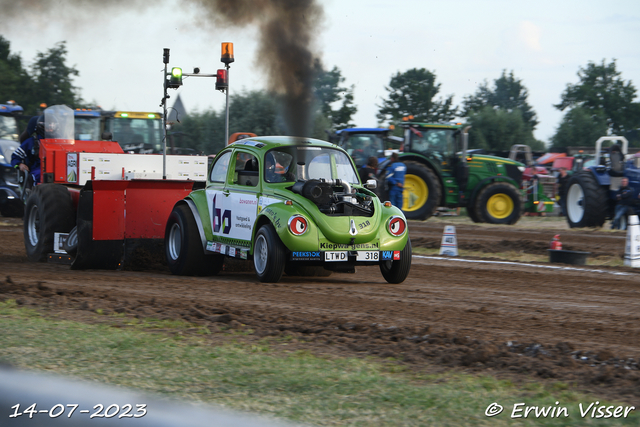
{"points": [[124, 115], [152, 116], [175, 78]]}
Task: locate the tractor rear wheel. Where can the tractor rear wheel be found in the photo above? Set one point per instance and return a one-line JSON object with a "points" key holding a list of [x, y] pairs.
{"points": [[49, 210], [586, 201], [183, 246], [499, 203], [422, 192], [396, 271]]}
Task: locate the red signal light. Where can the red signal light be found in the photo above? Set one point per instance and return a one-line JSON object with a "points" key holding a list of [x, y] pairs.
{"points": [[222, 83]]}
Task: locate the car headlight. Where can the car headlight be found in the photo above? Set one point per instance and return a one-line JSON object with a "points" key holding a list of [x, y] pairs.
{"points": [[298, 225], [397, 226], [521, 168]]}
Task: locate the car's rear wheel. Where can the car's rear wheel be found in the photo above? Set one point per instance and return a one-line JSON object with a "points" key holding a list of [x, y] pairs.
{"points": [[269, 254], [397, 271], [183, 246]]}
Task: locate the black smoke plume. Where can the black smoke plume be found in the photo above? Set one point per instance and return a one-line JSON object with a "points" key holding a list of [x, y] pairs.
{"points": [[287, 29], [286, 47]]}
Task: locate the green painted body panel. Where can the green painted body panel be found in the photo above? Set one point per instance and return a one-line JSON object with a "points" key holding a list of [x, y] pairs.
{"points": [[199, 197]]}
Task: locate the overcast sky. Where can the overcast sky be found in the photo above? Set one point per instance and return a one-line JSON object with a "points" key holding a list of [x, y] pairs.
{"points": [[464, 42]]}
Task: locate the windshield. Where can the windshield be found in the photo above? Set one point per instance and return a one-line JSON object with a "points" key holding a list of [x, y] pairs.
{"points": [[6, 150], [8, 128], [434, 141], [308, 162], [136, 132], [367, 144], [87, 128]]}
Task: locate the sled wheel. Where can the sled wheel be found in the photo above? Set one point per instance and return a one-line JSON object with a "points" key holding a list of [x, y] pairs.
{"points": [[49, 209]]}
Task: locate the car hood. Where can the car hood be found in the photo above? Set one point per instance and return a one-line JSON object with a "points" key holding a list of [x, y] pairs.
{"points": [[338, 228]]}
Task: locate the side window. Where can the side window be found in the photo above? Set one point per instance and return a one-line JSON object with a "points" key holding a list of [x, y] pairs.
{"points": [[220, 168], [278, 167], [246, 171]]}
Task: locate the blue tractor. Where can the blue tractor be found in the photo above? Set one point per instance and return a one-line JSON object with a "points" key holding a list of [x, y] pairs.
{"points": [[591, 192], [10, 202]]}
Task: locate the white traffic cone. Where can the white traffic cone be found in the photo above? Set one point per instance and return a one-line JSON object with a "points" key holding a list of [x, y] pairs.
{"points": [[449, 245], [632, 249]]}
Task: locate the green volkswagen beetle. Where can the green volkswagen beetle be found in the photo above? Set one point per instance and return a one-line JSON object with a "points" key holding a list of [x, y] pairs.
{"points": [[290, 205]]}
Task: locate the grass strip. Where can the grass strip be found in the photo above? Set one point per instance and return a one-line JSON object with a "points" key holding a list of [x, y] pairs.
{"points": [[263, 378]]}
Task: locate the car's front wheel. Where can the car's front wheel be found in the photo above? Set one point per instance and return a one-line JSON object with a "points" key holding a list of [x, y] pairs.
{"points": [[269, 254], [183, 246], [396, 271]]}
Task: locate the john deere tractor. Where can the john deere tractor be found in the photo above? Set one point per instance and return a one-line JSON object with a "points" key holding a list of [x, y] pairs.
{"points": [[440, 172]]}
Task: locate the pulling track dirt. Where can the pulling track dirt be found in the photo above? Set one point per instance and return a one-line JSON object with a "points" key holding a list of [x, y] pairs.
{"points": [[524, 321]]}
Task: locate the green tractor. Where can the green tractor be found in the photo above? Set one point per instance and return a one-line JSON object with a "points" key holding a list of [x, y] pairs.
{"points": [[440, 172]]}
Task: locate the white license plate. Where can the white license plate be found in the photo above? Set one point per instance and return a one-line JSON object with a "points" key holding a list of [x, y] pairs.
{"points": [[368, 256], [336, 256]]}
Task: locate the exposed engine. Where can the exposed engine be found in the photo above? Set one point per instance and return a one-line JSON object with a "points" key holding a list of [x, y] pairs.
{"points": [[335, 197]]}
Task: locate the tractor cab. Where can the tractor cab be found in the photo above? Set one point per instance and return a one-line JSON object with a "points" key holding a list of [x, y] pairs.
{"points": [[88, 124], [438, 143], [362, 143], [136, 132], [8, 122]]}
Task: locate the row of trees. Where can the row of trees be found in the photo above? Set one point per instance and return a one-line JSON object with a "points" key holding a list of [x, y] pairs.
{"points": [[49, 80], [601, 102]]}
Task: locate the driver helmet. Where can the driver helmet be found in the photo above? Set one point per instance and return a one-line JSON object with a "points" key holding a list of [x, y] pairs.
{"points": [[40, 127], [46, 127]]}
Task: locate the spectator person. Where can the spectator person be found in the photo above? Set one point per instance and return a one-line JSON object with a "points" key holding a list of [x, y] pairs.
{"points": [[395, 179], [563, 177], [369, 170], [624, 200]]}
